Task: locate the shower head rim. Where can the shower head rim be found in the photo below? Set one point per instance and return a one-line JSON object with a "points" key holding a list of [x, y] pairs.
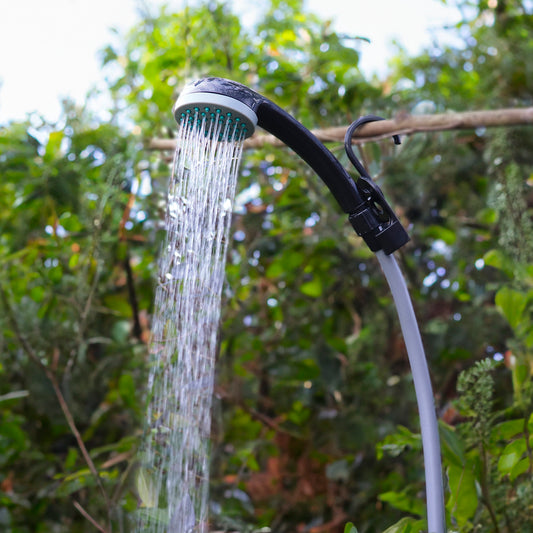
{"points": [[225, 104]]}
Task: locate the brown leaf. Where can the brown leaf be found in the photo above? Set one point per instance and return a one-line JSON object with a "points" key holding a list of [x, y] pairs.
{"points": [[7, 484]]}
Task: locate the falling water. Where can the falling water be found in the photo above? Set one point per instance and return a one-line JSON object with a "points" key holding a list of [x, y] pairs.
{"points": [[174, 474]]}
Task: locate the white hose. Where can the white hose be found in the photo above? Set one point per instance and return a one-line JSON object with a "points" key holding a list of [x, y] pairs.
{"points": [[423, 390]]}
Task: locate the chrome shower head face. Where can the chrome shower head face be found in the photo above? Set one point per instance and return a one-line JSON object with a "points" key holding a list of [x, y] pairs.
{"points": [[218, 114]]}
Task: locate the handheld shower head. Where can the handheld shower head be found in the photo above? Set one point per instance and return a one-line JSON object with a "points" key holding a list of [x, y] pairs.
{"points": [[238, 109], [217, 101]]}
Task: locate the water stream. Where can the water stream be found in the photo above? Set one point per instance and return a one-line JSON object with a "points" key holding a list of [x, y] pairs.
{"points": [[173, 477]]}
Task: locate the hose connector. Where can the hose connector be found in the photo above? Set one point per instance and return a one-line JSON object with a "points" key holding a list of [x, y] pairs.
{"points": [[374, 221]]}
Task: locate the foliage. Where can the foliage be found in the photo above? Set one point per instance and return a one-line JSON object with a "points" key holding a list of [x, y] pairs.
{"points": [[485, 429], [315, 422], [66, 321]]}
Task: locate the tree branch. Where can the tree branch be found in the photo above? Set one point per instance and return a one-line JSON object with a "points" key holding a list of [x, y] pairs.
{"points": [[401, 125], [89, 517]]}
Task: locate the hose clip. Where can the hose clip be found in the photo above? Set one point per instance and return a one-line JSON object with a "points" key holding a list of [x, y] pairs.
{"points": [[374, 221]]}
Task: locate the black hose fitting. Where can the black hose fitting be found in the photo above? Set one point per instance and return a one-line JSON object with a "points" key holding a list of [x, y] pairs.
{"points": [[376, 222]]}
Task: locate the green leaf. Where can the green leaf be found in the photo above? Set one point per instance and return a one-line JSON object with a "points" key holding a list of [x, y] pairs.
{"points": [[147, 489], [519, 468], [55, 273], [12, 436], [37, 294], [397, 443], [70, 222], [121, 331], [520, 373], [275, 269], [312, 288], [118, 304], [70, 460], [53, 146], [511, 456], [76, 481], [506, 430], [350, 528], [497, 259], [440, 232], [299, 414], [487, 216], [452, 446], [463, 501], [512, 304], [73, 261], [127, 390], [403, 502], [407, 525]]}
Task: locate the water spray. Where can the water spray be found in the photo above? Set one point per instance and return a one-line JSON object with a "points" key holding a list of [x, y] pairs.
{"points": [[233, 111]]}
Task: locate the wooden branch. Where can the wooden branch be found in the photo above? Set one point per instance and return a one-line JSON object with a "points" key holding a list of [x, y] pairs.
{"points": [[401, 125], [89, 517]]}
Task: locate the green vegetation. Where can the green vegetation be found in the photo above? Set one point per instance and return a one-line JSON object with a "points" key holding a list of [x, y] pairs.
{"points": [[315, 425]]}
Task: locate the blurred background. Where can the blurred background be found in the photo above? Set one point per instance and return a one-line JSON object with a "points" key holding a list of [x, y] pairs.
{"points": [[315, 423], [56, 44]]}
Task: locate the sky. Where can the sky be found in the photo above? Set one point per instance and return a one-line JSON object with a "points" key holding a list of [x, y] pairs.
{"points": [[49, 48]]}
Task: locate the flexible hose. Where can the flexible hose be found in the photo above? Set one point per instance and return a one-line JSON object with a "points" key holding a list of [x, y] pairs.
{"points": [[423, 390]]}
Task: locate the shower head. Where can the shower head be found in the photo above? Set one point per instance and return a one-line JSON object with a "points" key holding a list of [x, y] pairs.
{"points": [[236, 101], [217, 101], [239, 110]]}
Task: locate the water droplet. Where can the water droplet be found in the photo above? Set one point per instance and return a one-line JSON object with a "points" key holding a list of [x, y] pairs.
{"points": [[173, 209], [227, 205]]}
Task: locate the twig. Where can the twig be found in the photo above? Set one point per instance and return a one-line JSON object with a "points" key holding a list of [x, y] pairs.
{"points": [[132, 296], [401, 125], [124, 477], [89, 517], [59, 395], [77, 436]]}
